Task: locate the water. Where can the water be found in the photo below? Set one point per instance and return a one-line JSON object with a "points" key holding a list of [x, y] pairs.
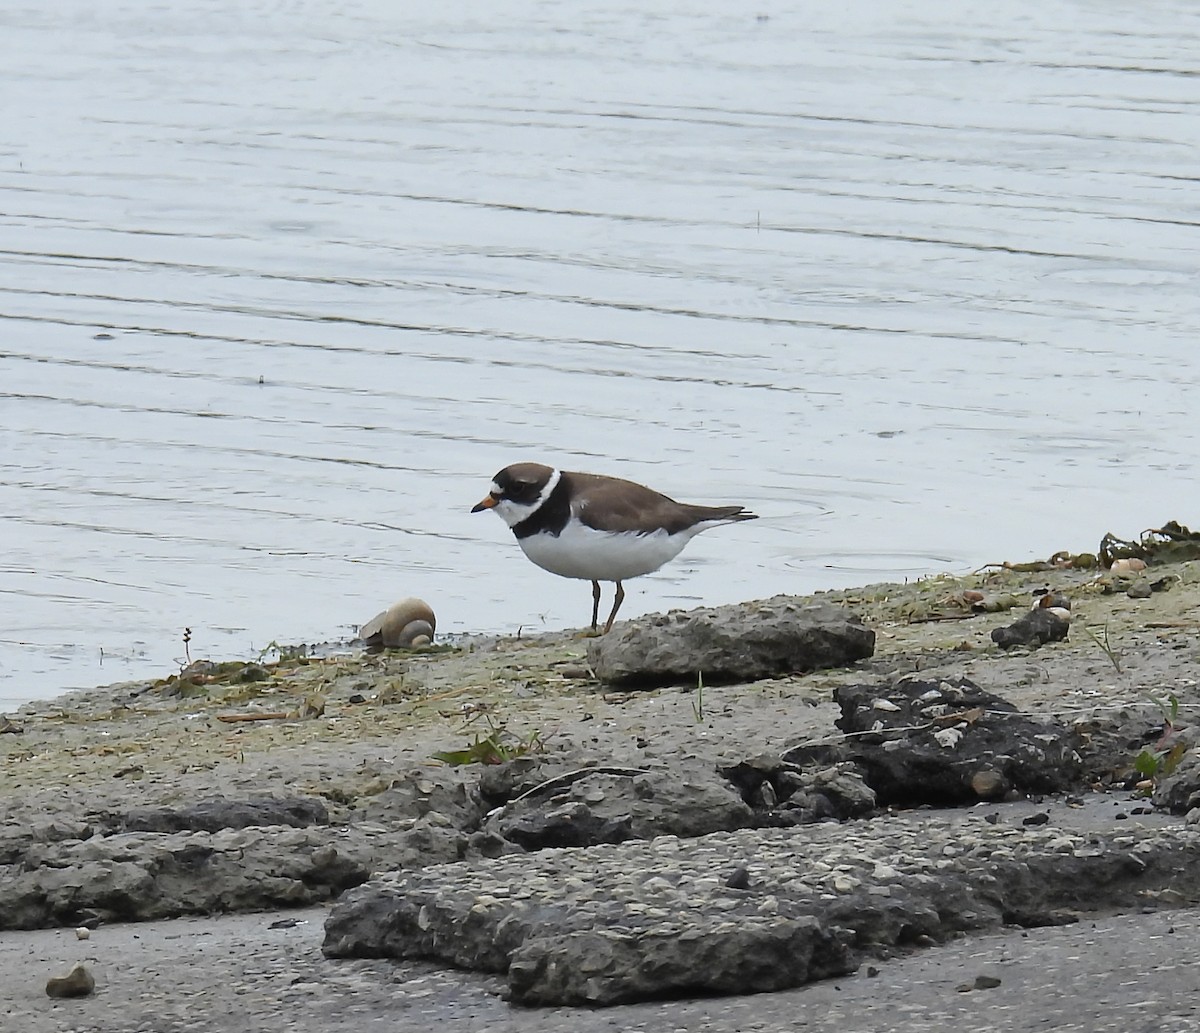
{"points": [[282, 287]]}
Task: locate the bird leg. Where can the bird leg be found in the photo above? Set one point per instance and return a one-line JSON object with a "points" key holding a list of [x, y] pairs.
{"points": [[595, 604], [616, 605]]}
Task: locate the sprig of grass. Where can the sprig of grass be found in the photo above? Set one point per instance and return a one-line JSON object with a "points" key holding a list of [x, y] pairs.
{"points": [[1163, 758], [1106, 646], [498, 746]]}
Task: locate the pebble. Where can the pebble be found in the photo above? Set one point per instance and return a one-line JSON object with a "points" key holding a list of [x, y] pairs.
{"points": [[79, 982], [739, 879], [949, 737], [988, 784]]}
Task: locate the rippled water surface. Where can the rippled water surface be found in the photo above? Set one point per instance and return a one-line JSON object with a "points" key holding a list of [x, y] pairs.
{"points": [[281, 287]]}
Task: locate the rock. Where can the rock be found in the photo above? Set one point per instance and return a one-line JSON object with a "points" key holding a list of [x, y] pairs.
{"points": [[221, 813], [17, 837], [797, 795], [660, 918], [79, 982], [1178, 790], [562, 825], [607, 966], [585, 806], [1035, 628], [688, 798], [138, 876], [729, 644], [988, 784], [500, 783], [403, 625], [324, 856], [422, 791], [947, 742], [489, 844], [1140, 589], [1112, 739], [739, 878], [87, 919], [981, 983]]}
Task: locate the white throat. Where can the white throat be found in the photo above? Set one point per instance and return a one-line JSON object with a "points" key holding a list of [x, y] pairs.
{"points": [[512, 513]]}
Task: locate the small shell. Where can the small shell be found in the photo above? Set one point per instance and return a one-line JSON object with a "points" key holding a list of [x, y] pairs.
{"points": [[949, 737], [1051, 600], [408, 623], [1128, 566]]}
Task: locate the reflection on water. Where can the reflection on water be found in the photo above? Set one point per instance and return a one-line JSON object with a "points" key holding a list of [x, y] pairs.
{"points": [[281, 288]]}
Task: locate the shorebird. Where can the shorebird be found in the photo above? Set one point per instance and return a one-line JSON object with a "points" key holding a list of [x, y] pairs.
{"points": [[596, 528]]}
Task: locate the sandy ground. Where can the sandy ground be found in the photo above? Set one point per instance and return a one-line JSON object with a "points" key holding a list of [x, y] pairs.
{"points": [[151, 743], [242, 972]]}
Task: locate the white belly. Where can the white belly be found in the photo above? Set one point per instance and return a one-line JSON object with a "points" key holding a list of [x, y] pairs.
{"points": [[583, 552]]}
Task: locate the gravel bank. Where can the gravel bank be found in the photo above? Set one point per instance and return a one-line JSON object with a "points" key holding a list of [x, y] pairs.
{"points": [[358, 733]]}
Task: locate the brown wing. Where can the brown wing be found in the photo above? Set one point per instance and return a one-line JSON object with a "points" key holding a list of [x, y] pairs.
{"points": [[611, 504]]}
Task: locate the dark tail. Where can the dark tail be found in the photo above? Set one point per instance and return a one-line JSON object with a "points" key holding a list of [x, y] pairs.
{"points": [[731, 513]]}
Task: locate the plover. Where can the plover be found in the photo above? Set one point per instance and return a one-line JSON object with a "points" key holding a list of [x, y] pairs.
{"points": [[595, 528]]}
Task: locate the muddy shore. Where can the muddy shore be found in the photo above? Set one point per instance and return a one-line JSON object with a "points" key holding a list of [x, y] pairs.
{"points": [[90, 774]]}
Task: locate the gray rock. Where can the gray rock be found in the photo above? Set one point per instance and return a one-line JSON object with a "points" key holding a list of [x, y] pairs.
{"points": [[562, 824], [500, 783], [689, 798], [947, 742], [741, 643], [794, 795], [1177, 788], [1035, 628], [1112, 738], [218, 813], [1140, 589], [614, 966], [432, 840], [17, 836], [138, 876], [79, 982], [423, 791], [648, 919]]}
